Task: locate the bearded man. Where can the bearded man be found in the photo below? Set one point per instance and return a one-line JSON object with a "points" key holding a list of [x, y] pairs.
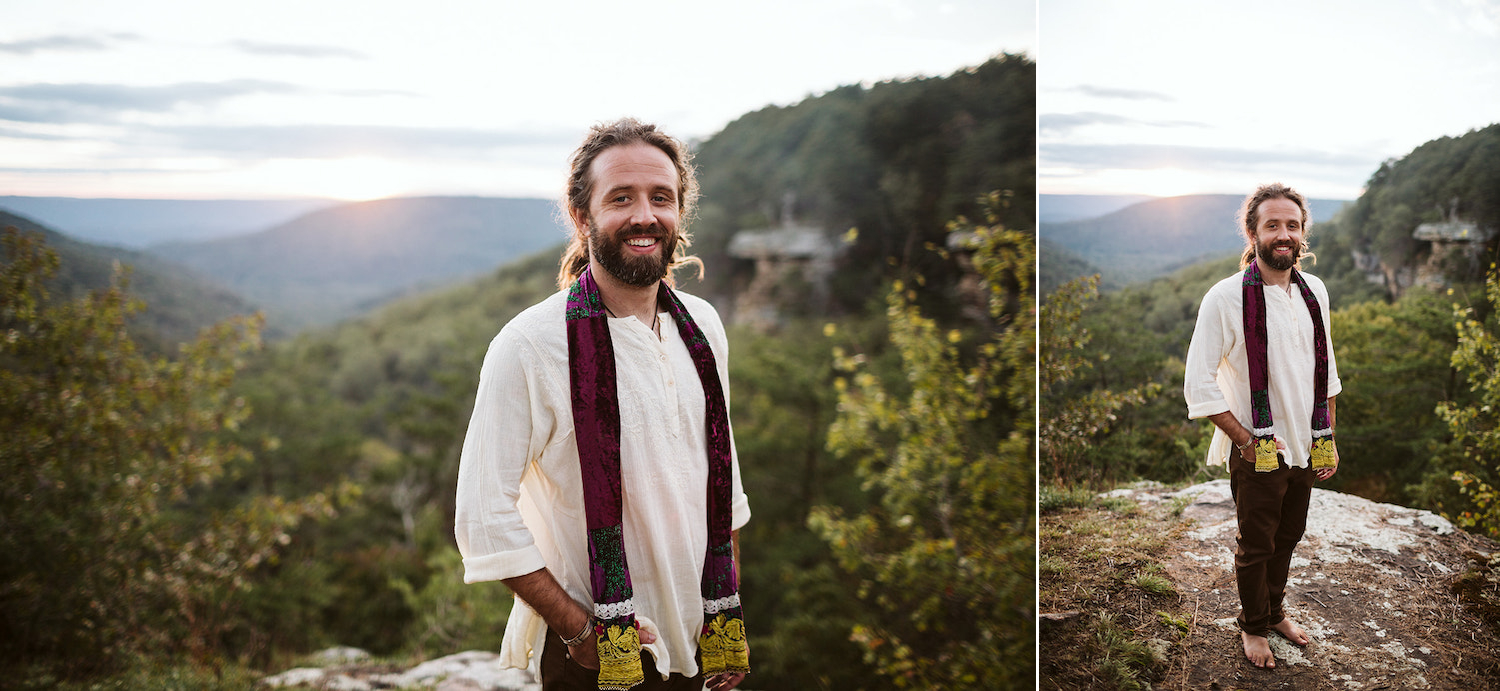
{"points": [[1261, 367], [598, 479]]}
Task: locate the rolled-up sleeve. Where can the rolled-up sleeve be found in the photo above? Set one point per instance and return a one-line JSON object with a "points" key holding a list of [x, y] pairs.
{"points": [[502, 440], [1213, 338]]}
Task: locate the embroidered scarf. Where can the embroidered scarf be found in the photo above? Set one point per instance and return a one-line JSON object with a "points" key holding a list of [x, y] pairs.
{"points": [[596, 423], [1252, 288]]}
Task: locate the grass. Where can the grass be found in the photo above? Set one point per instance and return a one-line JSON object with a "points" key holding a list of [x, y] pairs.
{"points": [[1154, 584], [1100, 557], [155, 676], [1126, 662]]}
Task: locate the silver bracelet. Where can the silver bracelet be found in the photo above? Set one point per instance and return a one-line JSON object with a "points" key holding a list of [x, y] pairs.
{"points": [[1247, 444], [587, 629]]}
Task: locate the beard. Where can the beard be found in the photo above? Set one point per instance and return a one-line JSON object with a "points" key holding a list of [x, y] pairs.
{"points": [[1267, 253], [637, 271]]}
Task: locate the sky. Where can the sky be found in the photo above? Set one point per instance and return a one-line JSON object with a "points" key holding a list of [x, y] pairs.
{"points": [[1168, 97], [368, 99]]}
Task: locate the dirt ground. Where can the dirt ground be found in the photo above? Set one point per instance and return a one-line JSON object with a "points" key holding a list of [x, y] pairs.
{"points": [[1380, 589]]}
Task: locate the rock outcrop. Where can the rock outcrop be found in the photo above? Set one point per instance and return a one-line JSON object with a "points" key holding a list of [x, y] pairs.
{"points": [[1373, 584], [349, 669]]}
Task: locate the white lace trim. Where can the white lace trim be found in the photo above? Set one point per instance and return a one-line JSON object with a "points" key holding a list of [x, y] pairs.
{"points": [[721, 604], [1263, 431], [614, 610]]}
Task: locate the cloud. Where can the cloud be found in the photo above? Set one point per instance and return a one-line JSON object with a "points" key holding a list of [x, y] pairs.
{"points": [[63, 43], [1127, 94], [297, 50], [104, 102], [14, 133], [335, 141], [1147, 156], [1060, 123]]}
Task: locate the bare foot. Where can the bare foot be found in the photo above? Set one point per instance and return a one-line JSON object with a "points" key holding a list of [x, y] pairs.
{"points": [[1258, 650], [1292, 632]]}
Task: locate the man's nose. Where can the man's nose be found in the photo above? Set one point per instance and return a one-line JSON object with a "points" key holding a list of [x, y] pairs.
{"points": [[641, 213]]}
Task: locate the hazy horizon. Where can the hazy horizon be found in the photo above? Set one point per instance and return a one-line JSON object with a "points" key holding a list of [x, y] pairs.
{"points": [[248, 101]]}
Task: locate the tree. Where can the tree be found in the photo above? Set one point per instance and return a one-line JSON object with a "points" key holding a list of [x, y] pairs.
{"points": [[944, 558], [102, 450], [1476, 424], [1072, 421]]}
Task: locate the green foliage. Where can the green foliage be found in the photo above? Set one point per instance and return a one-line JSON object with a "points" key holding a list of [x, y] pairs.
{"points": [[1475, 425], [1051, 498], [104, 451], [382, 402], [783, 402], [896, 160], [451, 615], [1443, 176], [1073, 422], [945, 557], [1394, 361]]}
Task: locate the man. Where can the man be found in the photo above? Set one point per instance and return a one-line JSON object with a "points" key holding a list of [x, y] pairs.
{"points": [[1261, 367], [598, 479]]}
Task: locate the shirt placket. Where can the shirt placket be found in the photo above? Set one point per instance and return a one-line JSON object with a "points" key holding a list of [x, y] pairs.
{"points": [[665, 374]]}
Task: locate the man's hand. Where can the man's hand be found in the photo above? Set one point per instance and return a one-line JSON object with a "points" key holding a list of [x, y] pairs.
{"points": [[1325, 473], [586, 653], [1247, 454], [725, 681]]}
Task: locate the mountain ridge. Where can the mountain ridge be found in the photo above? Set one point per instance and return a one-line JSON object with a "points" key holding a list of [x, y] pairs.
{"points": [[179, 301], [1150, 239], [140, 223], [335, 263]]}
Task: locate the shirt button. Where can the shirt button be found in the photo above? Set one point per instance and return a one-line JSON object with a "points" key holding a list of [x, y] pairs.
{"points": [[662, 357]]}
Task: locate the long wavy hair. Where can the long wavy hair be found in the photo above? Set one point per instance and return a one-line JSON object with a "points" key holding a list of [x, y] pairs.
{"points": [[1249, 219], [602, 137]]}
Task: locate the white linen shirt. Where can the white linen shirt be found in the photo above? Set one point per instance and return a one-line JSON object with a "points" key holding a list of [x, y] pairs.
{"points": [[1218, 371], [520, 503]]}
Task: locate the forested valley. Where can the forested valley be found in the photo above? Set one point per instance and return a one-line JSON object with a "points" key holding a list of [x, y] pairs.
{"points": [[1411, 324], [204, 515]]}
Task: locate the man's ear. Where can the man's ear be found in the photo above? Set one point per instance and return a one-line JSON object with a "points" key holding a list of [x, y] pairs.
{"points": [[580, 218]]}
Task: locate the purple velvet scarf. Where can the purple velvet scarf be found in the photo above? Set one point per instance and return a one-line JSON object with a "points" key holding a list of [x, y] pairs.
{"points": [[596, 423], [1252, 288]]}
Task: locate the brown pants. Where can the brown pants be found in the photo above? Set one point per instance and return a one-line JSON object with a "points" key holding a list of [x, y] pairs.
{"points": [[1271, 509], [561, 673]]}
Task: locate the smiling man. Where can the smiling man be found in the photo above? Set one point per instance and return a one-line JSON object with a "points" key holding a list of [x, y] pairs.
{"points": [[1260, 366], [599, 479]]}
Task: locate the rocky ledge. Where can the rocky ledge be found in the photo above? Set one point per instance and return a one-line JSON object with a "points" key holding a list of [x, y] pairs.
{"points": [[351, 669]]}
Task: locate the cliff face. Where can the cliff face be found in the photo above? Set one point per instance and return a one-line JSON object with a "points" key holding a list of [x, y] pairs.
{"points": [[1392, 597]]}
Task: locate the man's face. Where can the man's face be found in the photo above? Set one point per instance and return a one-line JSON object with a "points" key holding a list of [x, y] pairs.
{"points": [[632, 217], [1278, 233]]}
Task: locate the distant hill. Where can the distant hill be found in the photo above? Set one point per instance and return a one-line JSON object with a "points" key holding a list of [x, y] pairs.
{"points": [[178, 302], [1057, 265], [338, 262], [139, 223], [1150, 239], [1056, 208]]}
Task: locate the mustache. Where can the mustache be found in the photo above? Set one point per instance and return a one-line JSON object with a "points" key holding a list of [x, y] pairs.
{"points": [[654, 230]]}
